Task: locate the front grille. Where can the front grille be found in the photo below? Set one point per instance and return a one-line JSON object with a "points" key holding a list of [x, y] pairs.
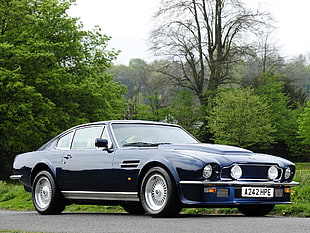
{"points": [[257, 172]]}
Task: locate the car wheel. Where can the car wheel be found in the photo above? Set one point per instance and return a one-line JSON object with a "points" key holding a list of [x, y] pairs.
{"points": [[158, 194], [134, 208], [256, 210], [46, 197]]}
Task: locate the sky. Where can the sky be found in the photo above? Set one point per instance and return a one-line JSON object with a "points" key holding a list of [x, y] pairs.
{"points": [[128, 22]]}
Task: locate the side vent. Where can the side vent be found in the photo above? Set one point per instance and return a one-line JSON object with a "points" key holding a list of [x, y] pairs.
{"points": [[130, 163]]}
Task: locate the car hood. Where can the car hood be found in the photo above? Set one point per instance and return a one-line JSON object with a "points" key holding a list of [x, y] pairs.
{"points": [[209, 148], [222, 154]]}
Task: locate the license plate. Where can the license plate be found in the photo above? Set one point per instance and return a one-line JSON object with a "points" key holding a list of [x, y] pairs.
{"points": [[257, 192]]}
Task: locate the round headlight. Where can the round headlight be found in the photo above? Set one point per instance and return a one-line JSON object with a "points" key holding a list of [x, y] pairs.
{"points": [[207, 171], [273, 173], [236, 172], [287, 173]]}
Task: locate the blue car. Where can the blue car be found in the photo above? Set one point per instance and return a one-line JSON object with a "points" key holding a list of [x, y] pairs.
{"points": [[150, 167]]}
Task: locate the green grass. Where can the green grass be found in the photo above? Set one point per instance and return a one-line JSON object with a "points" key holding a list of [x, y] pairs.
{"points": [[300, 195], [13, 197]]}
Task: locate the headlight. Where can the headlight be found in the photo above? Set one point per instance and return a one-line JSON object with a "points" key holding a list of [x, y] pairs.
{"points": [[273, 173], [207, 171], [287, 173], [236, 172]]}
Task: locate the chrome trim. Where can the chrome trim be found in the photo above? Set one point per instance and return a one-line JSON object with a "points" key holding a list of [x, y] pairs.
{"points": [[16, 177], [239, 183], [129, 164], [243, 180], [110, 196]]}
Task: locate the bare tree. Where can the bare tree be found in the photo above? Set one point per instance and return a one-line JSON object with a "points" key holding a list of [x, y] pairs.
{"points": [[264, 60], [202, 39]]}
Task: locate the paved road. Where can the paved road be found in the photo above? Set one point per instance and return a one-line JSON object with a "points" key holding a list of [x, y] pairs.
{"points": [[124, 223]]}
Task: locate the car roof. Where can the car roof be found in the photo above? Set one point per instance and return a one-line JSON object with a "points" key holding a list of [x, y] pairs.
{"points": [[116, 122], [123, 122]]}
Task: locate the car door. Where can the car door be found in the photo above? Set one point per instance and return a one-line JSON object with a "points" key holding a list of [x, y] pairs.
{"points": [[85, 167]]}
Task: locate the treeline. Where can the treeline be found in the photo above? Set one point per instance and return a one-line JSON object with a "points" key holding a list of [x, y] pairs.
{"points": [[262, 111], [221, 78], [54, 75]]}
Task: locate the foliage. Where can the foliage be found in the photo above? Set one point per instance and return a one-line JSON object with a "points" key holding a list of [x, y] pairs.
{"points": [[184, 110], [300, 195], [241, 118], [284, 116], [272, 90], [53, 75], [203, 39], [304, 125]]}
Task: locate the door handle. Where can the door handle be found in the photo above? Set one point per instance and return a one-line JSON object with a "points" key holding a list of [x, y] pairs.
{"points": [[67, 156]]}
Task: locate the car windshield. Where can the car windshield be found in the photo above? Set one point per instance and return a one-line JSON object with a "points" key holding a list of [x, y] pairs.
{"points": [[144, 135]]}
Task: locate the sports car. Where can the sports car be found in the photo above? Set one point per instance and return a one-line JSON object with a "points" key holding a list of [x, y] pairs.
{"points": [[150, 167]]}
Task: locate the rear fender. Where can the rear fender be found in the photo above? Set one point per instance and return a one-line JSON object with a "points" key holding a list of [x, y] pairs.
{"points": [[42, 166]]}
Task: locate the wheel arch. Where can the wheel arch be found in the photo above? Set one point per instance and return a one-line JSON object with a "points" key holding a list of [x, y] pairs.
{"points": [[172, 173], [42, 166]]}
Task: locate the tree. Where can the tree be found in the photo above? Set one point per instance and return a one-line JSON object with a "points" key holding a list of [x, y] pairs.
{"points": [[242, 118], [264, 59], [296, 77], [304, 126], [53, 75], [203, 39], [283, 117], [145, 86], [184, 110]]}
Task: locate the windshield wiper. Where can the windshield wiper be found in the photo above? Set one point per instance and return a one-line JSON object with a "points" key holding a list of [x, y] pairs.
{"points": [[144, 144]]}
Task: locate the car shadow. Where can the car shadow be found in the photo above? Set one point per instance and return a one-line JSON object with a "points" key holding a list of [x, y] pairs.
{"points": [[179, 216]]}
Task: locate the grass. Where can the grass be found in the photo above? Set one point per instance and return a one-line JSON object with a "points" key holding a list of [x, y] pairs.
{"points": [[300, 195], [13, 197]]}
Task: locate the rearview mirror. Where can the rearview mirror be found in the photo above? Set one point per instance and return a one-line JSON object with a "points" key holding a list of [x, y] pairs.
{"points": [[103, 143]]}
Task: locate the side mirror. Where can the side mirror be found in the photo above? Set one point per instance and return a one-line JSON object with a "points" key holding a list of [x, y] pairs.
{"points": [[103, 143]]}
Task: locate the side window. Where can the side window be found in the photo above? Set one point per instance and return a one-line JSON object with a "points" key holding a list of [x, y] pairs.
{"points": [[85, 138], [65, 141]]}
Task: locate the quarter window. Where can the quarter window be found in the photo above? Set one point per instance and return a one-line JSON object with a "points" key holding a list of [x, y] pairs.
{"points": [[65, 141], [85, 138]]}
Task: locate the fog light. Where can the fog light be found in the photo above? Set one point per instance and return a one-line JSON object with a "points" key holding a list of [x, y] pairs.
{"points": [[287, 190]]}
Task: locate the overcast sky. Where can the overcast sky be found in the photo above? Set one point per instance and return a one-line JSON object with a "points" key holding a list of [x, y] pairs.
{"points": [[128, 22]]}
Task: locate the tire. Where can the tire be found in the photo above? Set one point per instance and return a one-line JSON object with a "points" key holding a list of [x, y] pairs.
{"points": [[134, 208], [158, 194], [46, 197], [256, 210]]}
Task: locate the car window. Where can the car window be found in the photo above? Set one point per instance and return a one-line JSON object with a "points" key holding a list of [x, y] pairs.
{"points": [[142, 134], [65, 141], [85, 138]]}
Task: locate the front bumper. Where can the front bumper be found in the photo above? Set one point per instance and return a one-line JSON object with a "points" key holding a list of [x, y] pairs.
{"points": [[240, 183], [229, 194]]}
